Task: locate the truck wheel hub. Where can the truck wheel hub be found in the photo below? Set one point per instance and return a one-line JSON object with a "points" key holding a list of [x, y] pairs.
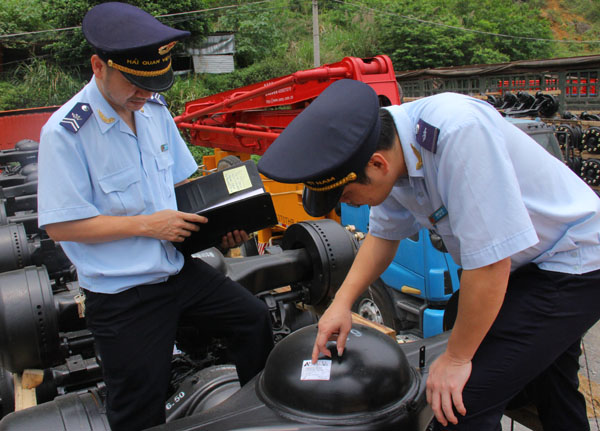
{"points": [[369, 310]]}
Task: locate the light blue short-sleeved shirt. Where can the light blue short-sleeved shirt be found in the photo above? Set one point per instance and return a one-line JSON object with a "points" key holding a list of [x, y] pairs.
{"points": [[105, 169], [504, 194]]}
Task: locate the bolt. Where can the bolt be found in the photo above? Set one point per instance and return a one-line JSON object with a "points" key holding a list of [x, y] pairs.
{"points": [[359, 236]]}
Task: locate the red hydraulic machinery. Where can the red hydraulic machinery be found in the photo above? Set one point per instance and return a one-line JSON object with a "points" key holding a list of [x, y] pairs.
{"points": [[246, 120]]}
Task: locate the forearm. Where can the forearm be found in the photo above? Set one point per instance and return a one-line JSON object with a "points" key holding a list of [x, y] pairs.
{"points": [[374, 256], [97, 229], [482, 293]]}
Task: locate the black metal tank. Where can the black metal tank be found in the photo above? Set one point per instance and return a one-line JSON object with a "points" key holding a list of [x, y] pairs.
{"points": [[371, 382]]}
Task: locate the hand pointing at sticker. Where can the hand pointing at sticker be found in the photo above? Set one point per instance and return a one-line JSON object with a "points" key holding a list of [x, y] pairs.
{"points": [[335, 324]]}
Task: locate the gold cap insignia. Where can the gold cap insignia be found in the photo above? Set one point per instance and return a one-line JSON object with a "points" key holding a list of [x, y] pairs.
{"points": [[166, 48]]}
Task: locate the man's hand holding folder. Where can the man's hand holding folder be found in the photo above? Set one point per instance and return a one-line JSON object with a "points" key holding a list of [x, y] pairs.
{"points": [[231, 200], [176, 226], [233, 239], [171, 225]]}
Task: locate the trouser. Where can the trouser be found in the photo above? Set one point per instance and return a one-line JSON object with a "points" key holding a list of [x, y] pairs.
{"points": [[134, 332], [533, 346]]}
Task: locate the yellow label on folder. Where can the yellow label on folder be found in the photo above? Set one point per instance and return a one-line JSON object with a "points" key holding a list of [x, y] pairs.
{"points": [[237, 179]]}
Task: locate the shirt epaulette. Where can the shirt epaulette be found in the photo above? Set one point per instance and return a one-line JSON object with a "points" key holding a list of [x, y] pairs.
{"points": [[158, 98], [76, 117], [427, 136]]}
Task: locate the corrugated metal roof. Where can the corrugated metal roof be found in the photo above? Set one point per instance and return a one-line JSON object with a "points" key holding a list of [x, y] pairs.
{"points": [[569, 63], [223, 43], [213, 63]]}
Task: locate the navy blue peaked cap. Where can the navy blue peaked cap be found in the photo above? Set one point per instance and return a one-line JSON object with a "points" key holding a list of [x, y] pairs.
{"points": [[134, 42], [327, 144]]}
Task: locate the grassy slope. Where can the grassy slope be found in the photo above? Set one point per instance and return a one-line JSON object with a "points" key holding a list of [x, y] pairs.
{"points": [[574, 20]]}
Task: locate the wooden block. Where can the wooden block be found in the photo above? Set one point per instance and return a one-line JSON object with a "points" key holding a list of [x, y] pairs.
{"points": [[31, 379], [357, 318], [235, 252], [24, 398]]}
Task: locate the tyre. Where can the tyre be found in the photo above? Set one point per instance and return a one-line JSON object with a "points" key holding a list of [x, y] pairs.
{"points": [[376, 305], [227, 162], [249, 248], [7, 394]]}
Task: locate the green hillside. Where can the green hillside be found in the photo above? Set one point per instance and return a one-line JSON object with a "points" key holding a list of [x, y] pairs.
{"points": [[573, 20]]}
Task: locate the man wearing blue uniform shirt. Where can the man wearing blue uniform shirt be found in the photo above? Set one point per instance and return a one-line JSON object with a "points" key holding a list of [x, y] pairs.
{"points": [[108, 162], [524, 228]]}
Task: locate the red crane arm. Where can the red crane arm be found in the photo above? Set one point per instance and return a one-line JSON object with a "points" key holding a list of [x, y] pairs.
{"points": [[248, 119]]}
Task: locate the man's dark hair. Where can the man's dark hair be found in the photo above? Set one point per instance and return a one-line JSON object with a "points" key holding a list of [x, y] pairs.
{"points": [[387, 137]]}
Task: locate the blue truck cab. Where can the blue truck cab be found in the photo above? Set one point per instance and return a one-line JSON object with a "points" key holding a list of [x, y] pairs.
{"points": [[411, 294]]}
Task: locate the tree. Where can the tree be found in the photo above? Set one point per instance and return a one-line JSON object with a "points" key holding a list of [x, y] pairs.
{"points": [[433, 34], [258, 31], [19, 16]]}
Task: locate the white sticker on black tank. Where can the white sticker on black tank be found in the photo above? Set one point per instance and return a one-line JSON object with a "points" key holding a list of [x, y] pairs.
{"points": [[319, 371]]}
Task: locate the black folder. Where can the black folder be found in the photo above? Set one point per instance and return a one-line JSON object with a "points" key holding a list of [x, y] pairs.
{"points": [[231, 199]]}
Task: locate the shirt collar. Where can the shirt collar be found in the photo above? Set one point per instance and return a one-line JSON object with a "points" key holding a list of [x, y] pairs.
{"points": [[145, 111], [410, 148], [106, 116]]}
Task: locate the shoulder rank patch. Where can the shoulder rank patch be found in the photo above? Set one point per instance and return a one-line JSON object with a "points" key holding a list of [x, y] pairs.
{"points": [[77, 117], [158, 98], [427, 136]]}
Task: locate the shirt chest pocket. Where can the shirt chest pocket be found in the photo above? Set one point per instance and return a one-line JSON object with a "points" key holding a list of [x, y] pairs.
{"points": [[122, 193], [164, 164]]}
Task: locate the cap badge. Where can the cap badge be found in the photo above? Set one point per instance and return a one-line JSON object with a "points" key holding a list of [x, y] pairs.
{"points": [[105, 118], [166, 48]]}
